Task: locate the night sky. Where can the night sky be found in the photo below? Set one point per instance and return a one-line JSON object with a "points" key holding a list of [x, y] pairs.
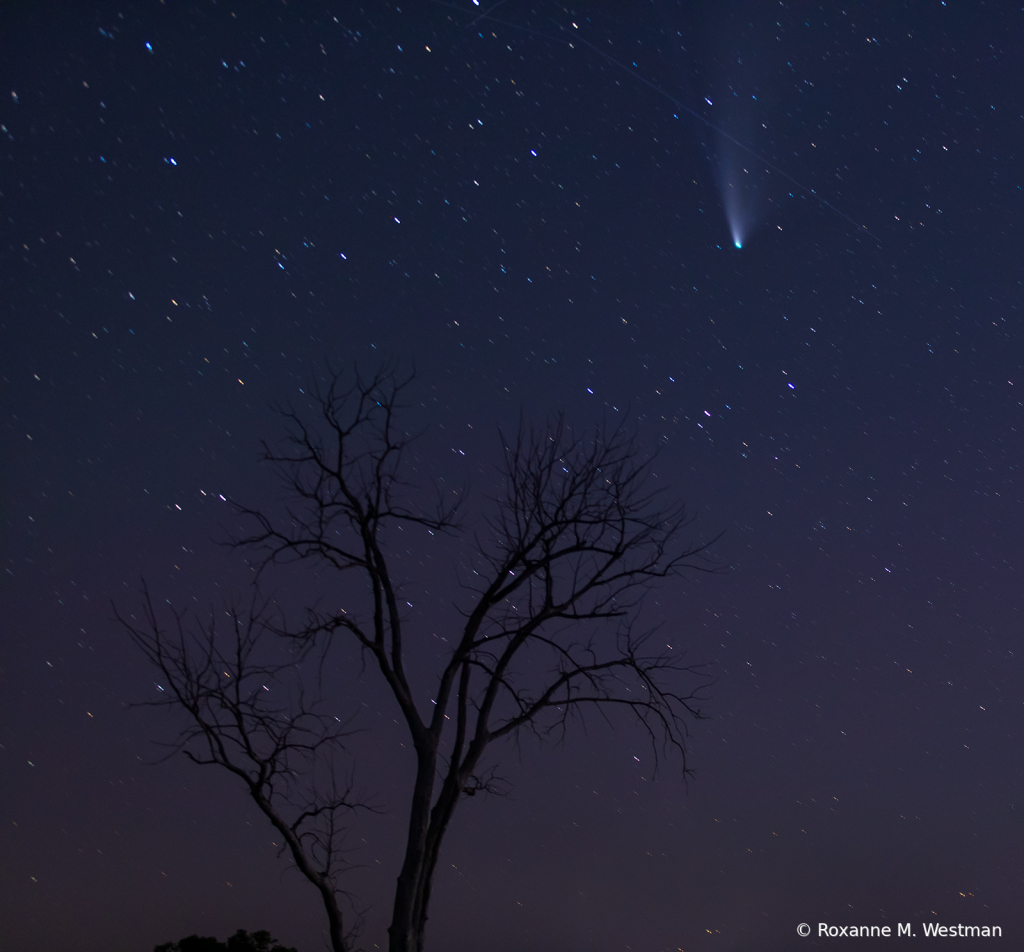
{"points": [[202, 201]]}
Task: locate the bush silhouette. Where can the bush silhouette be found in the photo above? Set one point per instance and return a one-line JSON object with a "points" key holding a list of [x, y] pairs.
{"points": [[241, 941]]}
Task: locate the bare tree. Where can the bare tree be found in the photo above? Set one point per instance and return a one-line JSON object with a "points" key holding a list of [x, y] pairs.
{"points": [[576, 537], [253, 717]]}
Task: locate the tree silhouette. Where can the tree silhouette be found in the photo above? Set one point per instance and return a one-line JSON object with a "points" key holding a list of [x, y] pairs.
{"points": [[575, 539], [253, 716]]}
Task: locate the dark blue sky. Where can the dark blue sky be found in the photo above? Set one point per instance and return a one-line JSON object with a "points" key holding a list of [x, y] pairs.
{"points": [[201, 201]]}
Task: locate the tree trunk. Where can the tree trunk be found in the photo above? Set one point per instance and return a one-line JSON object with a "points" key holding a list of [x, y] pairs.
{"points": [[426, 831], [405, 934], [338, 943]]}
